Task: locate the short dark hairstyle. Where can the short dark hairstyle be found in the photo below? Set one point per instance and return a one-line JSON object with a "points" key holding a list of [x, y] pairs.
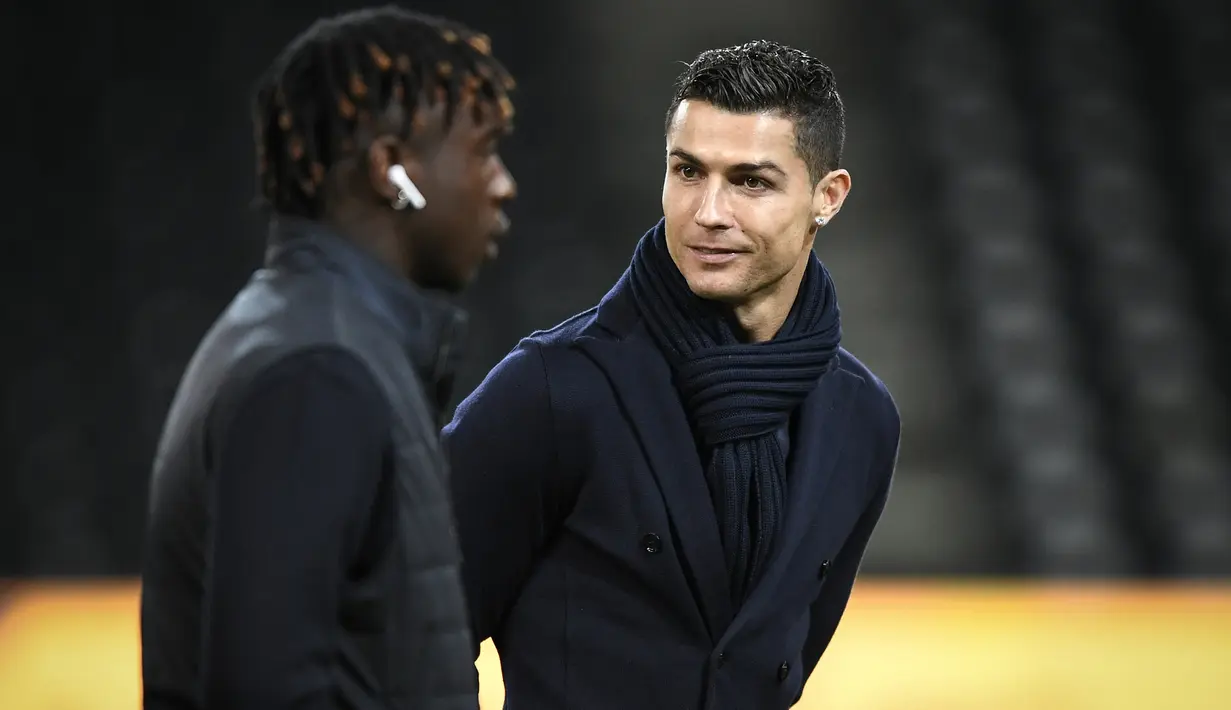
{"points": [[767, 76], [344, 71]]}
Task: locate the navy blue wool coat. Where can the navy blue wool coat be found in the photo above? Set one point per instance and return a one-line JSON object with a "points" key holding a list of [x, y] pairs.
{"points": [[591, 552]]}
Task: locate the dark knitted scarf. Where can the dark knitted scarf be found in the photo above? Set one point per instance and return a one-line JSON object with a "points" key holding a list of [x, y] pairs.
{"points": [[737, 395]]}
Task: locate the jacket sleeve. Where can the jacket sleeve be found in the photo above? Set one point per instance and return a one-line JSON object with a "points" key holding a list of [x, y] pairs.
{"points": [[502, 448], [297, 466], [830, 604]]}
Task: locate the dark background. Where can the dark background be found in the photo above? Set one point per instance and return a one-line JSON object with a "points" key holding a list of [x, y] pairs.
{"points": [[1035, 255]]}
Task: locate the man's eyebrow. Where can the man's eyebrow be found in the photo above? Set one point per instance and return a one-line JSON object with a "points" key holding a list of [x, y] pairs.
{"points": [[762, 166], [685, 156], [496, 131]]}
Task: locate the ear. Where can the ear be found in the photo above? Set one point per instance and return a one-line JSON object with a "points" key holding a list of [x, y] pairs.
{"points": [[830, 193], [383, 153]]}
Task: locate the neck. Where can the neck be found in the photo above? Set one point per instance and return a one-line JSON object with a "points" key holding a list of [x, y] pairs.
{"points": [[373, 235], [762, 315]]}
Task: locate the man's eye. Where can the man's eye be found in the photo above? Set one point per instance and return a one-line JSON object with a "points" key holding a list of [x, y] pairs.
{"points": [[687, 171], [754, 183]]}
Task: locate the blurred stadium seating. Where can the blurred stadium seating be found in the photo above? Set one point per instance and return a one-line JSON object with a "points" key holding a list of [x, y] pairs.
{"points": [[1089, 281]]}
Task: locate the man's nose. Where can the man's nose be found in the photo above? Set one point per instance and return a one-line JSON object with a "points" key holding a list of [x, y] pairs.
{"points": [[714, 212], [504, 187]]}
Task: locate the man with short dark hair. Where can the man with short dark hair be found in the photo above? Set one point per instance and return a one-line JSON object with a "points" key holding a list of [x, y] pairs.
{"points": [[663, 502], [300, 551]]}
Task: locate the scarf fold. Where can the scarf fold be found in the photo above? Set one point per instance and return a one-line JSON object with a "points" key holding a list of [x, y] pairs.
{"points": [[737, 395]]}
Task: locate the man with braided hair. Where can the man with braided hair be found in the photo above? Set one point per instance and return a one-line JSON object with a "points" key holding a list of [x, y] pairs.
{"points": [[300, 549]]}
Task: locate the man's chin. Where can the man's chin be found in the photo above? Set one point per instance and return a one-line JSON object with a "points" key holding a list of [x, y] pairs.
{"points": [[716, 290], [444, 281]]}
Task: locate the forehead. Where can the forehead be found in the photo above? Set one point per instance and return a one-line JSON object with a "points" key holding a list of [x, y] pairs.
{"points": [[471, 119], [720, 137]]}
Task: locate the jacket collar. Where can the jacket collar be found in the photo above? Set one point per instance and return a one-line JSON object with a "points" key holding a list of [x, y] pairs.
{"points": [[428, 326]]}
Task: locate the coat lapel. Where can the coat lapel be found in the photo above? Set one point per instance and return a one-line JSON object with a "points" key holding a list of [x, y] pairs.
{"points": [[814, 455], [642, 383]]}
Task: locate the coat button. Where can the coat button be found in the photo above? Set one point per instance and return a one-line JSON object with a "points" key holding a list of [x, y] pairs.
{"points": [[824, 569], [784, 672], [652, 543], [722, 658]]}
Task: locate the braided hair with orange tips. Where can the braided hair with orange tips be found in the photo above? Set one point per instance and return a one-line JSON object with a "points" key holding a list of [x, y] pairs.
{"points": [[343, 73]]}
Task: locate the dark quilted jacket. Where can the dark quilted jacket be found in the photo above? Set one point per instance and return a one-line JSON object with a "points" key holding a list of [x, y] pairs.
{"points": [[404, 641]]}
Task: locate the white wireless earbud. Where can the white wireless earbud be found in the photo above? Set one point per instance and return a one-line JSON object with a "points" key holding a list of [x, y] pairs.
{"points": [[408, 194]]}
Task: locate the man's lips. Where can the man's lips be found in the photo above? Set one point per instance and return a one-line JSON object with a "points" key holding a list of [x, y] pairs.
{"points": [[502, 228], [714, 255]]}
